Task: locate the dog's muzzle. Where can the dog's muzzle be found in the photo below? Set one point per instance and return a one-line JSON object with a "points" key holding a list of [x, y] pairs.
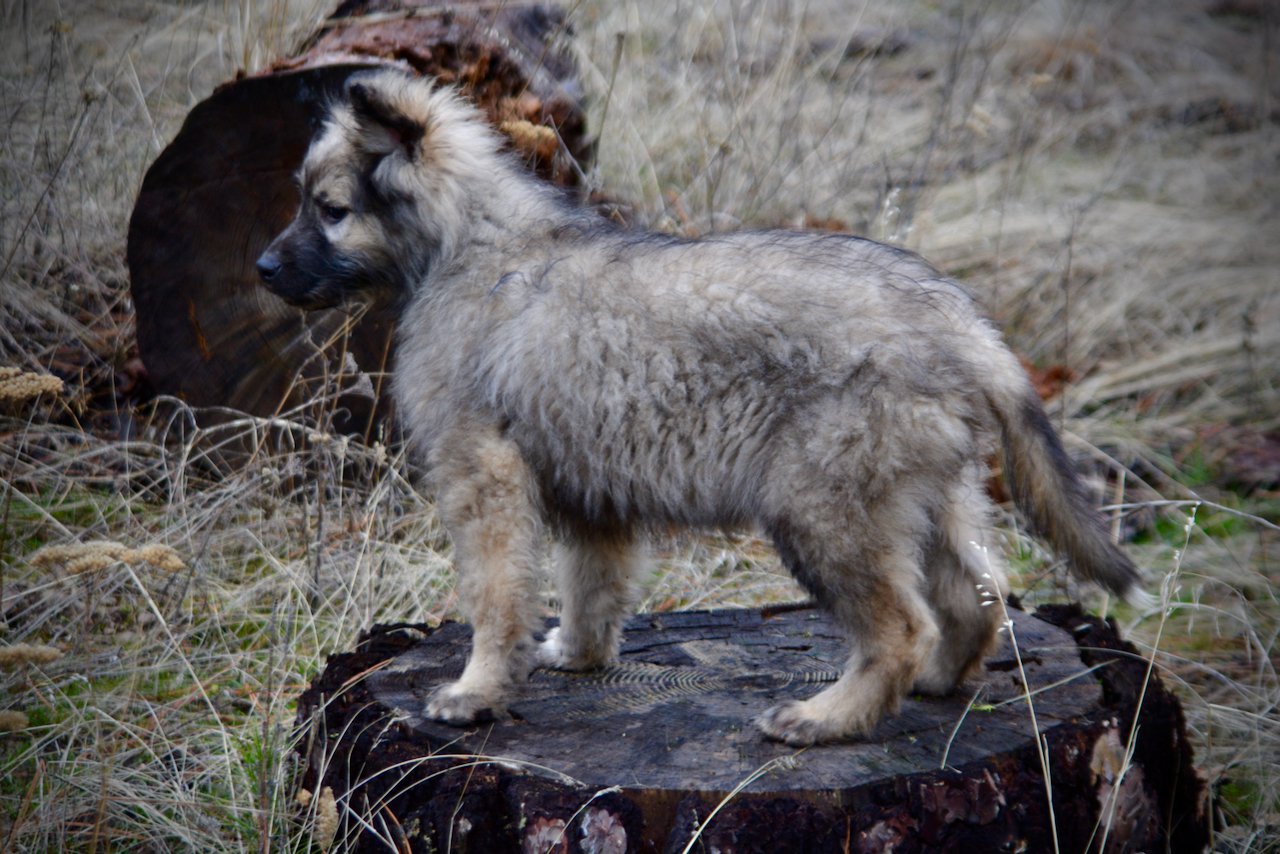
{"points": [[269, 266]]}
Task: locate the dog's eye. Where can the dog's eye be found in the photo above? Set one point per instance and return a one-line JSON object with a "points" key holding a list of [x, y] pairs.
{"points": [[333, 213]]}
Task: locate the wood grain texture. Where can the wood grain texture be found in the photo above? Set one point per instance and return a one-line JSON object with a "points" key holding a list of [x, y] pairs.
{"points": [[670, 727]]}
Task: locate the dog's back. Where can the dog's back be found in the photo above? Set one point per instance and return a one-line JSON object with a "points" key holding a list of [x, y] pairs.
{"points": [[659, 379]]}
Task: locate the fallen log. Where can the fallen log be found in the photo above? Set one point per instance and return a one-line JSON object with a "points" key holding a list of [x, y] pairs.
{"points": [[657, 753], [208, 333]]}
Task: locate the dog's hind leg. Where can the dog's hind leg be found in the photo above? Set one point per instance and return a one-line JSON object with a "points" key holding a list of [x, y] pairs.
{"points": [[597, 571], [874, 591], [487, 501], [964, 579]]}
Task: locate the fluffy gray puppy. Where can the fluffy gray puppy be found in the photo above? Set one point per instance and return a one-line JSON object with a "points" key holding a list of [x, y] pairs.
{"points": [[556, 373]]}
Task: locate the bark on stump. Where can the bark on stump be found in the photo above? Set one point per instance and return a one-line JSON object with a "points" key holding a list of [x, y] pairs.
{"points": [[207, 331], [644, 755]]}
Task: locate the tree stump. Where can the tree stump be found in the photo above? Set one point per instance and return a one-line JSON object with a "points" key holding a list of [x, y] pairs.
{"points": [[658, 751], [207, 331]]}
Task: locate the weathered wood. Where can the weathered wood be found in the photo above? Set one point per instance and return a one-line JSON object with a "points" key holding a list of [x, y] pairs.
{"points": [[637, 757], [207, 331]]}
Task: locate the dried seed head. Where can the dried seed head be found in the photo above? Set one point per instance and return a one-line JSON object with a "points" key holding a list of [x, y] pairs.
{"points": [[326, 825], [12, 721], [159, 556], [97, 555], [16, 384], [26, 653]]}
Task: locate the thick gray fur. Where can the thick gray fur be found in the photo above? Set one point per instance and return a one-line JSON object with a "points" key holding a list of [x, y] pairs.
{"points": [[558, 374]]}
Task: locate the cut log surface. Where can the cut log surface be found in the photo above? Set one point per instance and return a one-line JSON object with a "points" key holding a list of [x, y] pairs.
{"points": [[208, 332], [636, 757]]}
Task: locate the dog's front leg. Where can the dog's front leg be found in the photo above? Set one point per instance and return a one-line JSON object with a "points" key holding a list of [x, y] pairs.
{"points": [[487, 500]]}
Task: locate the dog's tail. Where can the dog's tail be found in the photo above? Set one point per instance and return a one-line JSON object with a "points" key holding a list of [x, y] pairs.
{"points": [[1050, 494]]}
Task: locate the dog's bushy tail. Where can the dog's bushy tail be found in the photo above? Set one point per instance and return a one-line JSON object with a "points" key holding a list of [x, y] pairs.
{"points": [[1051, 496]]}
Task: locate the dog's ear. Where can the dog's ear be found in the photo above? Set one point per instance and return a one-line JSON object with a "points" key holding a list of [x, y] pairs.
{"points": [[384, 126]]}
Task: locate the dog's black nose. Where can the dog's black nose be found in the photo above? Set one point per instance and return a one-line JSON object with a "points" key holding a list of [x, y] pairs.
{"points": [[269, 266]]}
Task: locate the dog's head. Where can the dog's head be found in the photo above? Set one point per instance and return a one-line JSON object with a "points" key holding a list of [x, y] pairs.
{"points": [[383, 193]]}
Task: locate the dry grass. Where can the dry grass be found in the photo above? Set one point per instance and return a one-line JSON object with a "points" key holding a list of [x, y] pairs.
{"points": [[1104, 175]]}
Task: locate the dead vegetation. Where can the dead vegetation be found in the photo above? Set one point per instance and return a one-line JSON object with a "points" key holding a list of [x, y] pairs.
{"points": [[1103, 175]]}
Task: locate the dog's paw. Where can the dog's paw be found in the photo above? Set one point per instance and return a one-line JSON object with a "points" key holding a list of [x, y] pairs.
{"points": [[794, 723], [460, 707], [931, 685], [553, 653]]}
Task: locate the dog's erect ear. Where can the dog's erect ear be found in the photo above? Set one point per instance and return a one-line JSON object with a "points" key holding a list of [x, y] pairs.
{"points": [[384, 127]]}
